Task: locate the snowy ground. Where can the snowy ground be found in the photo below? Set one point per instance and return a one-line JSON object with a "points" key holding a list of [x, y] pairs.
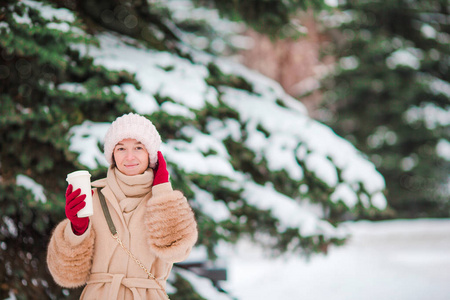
{"points": [[390, 260]]}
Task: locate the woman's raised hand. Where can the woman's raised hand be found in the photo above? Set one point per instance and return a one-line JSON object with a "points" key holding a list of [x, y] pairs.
{"points": [[161, 175]]}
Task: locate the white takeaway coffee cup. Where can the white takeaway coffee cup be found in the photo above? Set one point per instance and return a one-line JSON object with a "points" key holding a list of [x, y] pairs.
{"points": [[82, 180]]}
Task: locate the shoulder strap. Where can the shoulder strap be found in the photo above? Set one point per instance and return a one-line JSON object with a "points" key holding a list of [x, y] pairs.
{"points": [[105, 209]]}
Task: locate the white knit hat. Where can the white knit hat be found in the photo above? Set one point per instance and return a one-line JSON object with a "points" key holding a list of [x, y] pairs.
{"points": [[133, 126]]}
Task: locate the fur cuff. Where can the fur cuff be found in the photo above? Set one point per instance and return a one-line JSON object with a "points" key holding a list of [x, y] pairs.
{"points": [[69, 264], [171, 226]]}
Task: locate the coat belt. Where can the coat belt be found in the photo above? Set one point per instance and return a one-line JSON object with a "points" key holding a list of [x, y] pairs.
{"points": [[132, 283]]}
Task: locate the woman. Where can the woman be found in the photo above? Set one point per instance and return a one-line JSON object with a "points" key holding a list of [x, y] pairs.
{"points": [[154, 223]]}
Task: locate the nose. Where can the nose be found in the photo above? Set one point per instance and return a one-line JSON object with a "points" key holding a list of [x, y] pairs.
{"points": [[130, 155]]}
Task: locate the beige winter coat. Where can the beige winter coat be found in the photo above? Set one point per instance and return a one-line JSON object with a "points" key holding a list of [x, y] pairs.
{"points": [[158, 227]]}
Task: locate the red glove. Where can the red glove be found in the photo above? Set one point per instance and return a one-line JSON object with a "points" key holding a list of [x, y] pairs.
{"points": [[74, 203], [160, 173]]}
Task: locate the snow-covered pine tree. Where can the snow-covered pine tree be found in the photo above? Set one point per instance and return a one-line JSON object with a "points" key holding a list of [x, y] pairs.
{"points": [[247, 156], [390, 96]]}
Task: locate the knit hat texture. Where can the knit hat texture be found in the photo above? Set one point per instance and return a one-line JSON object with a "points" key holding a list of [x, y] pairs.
{"points": [[133, 126]]}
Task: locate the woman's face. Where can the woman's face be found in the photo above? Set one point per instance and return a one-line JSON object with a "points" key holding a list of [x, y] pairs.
{"points": [[131, 157]]}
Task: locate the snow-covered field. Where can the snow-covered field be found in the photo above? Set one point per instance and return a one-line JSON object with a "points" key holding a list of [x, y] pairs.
{"points": [[390, 260]]}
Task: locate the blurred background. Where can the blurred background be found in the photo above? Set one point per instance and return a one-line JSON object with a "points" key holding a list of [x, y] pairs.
{"points": [[308, 136]]}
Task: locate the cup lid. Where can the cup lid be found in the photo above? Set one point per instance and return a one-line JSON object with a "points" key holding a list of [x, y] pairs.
{"points": [[78, 173]]}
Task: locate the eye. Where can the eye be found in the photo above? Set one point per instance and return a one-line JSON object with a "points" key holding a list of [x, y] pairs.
{"points": [[120, 148], [139, 148]]}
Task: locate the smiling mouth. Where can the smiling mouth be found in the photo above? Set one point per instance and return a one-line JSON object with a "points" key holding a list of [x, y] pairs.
{"points": [[131, 166]]}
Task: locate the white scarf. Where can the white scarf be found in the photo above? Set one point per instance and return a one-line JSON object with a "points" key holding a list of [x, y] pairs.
{"points": [[129, 190]]}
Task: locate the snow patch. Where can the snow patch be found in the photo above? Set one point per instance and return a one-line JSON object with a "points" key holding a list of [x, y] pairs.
{"points": [[31, 185], [345, 194], [72, 87], [85, 140], [443, 149], [159, 73], [409, 57], [432, 115], [288, 213], [401, 260], [217, 210], [203, 286], [142, 102], [50, 13]]}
